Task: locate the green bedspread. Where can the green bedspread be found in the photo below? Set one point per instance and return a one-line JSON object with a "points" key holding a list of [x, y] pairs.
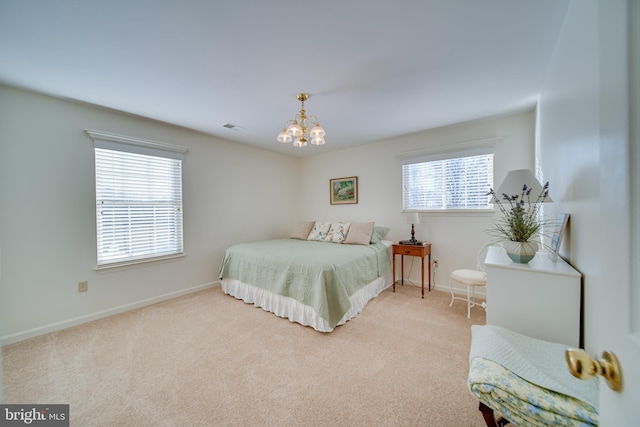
{"points": [[318, 274]]}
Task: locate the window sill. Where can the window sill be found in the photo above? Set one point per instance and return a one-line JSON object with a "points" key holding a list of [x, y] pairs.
{"points": [[130, 264], [454, 212]]}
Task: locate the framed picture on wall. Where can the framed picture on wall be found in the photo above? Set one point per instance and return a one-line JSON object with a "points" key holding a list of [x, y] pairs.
{"points": [[343, 191], [558, 234]]}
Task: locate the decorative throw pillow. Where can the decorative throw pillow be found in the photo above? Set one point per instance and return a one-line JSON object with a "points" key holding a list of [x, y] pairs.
{"points": [[379, 233], [319, 231], [302, 230], [337, 232], [359, 233]]}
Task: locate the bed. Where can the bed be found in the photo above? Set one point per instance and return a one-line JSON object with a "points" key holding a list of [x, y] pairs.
{"points": [[316, 283]]}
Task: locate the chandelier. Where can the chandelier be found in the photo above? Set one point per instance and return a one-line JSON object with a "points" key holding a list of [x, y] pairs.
{"points": [[299, 128]]}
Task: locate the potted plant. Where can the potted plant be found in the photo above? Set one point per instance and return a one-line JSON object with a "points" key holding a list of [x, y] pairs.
{"points": [[520, 222]]}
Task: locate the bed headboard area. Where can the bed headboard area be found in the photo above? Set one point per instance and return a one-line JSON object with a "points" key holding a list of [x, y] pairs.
{"points": [[350, 233]]}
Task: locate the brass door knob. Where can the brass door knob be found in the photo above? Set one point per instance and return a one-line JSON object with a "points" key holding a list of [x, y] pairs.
{"points": [[582, 366]]}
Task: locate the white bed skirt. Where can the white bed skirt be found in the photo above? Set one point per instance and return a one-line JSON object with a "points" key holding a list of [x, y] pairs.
{"points": [[297, 312]]}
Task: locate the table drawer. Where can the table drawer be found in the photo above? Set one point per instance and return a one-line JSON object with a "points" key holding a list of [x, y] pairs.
{"points": [[409, 250]]}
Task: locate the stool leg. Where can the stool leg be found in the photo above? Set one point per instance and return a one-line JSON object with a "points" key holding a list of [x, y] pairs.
{"points": [[451, 290]]}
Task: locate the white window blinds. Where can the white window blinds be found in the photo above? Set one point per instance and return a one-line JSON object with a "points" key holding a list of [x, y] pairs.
{"points": [[138, 203], [448, 183]]}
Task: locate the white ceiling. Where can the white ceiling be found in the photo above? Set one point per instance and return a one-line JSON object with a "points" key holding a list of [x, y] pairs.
{"points": [[375, 69]]}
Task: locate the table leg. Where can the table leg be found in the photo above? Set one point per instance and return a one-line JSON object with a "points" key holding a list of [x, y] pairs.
{"points": [[429, 272], [402, 269], [422, 277], [394, 273]]}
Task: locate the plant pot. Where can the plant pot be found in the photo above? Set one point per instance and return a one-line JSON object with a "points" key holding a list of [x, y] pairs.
{"points": [[521, 252]]}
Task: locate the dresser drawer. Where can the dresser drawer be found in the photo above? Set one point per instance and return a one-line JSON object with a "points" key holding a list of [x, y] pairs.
{"points": [[409, 250]]}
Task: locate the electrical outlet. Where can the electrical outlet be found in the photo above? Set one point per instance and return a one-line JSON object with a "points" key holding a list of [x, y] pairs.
{"points": [[83, 286], [435, 263]]}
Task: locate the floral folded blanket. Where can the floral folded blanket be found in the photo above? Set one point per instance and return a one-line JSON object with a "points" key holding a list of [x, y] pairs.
{"points": [[537, 361], [524, 403]]}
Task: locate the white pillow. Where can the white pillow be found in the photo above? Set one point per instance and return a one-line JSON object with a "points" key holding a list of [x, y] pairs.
{"points": [[359, 233], [338, 232], [302, 230], [319, 231]]}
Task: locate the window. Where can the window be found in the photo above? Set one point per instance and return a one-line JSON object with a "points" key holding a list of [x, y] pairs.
{"points": [[138, 200], [449, 181]]}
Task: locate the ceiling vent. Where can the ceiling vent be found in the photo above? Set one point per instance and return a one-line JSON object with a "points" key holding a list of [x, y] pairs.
{"points": [[233, 127]]}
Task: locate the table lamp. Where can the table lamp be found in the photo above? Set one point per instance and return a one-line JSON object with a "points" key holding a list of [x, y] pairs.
{"points": [[515, 179], [412, 218]]}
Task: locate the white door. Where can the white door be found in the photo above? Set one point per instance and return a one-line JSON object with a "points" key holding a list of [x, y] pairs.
{"points": [[619, 316]]}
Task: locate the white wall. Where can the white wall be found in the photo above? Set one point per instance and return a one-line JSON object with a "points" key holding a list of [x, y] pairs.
{"points": [[572, 125], [569, 140], [455, 238], [584, 145], [232, 193]]}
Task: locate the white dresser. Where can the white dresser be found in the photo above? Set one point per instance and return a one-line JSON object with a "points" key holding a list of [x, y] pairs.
{"points": [[540, 299]]}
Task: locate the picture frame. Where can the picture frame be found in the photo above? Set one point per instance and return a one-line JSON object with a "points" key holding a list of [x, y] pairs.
{"points": [[557, 235], [343, 191]]}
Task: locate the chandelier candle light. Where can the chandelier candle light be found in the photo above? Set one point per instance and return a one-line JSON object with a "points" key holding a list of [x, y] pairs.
{"points": [[299, 128]]}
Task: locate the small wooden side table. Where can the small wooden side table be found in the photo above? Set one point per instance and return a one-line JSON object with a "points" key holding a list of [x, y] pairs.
{"points": [[411, 250]]}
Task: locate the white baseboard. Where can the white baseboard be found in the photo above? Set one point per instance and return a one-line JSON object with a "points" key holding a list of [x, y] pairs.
{"points": [[19, 336], [480, 293]]}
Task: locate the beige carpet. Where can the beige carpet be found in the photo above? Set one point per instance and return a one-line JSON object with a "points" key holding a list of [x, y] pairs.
{"points": [[207, 359]]}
